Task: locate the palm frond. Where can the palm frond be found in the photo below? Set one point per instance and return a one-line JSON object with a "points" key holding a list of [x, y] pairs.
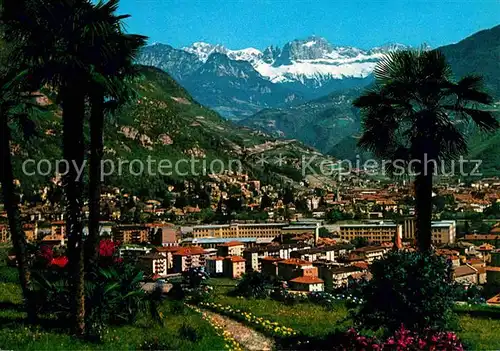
{"points": [[485, 120]]}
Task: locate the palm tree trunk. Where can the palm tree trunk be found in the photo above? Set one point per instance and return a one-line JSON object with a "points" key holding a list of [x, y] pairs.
{"points": [[16, 232], [423, 210], [73, 150], [96, 153]]}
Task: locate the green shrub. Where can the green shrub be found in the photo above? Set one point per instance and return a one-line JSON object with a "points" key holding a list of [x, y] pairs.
{"points": [[253, 285], [410, 288]]}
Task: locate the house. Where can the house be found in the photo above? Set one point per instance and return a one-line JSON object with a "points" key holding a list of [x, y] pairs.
{"points": [[131, 233], [188, 257], [313, 254], [4, 234], [231, 248], [307, 283], [465, 274], [269, 265], [294, 267], [131, 253], [371, 253], [154, 264], [30, 231], [168, 253], [215, 265], [162, 234], [234, 266], [336, 276]]}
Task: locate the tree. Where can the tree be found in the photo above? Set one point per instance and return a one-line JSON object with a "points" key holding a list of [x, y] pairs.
{"points": [[389, 298], [410, 114], [11, 97], [56, 40], [360, 242], [113, 53]]}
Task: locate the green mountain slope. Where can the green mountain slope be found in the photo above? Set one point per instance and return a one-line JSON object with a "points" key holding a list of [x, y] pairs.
{"points": [[321, 123], [163, 123], [477, 54]]}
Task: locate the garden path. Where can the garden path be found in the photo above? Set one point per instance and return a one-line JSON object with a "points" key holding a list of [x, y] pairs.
{"points": [[245, 336]]}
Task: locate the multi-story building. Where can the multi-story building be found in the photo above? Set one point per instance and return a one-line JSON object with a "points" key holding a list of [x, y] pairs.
{"points": [[31, 231], [234, 266], [168, 253], [376, 232], [58, 229], [154, 263], [215, 265], [335, 276], [132, 253], [293, 268], [231, 248], [254, 255], [371, 253], [162, 234], [4, 233], [443, 232], [131, 234], [317, 253], [239, 230], [188, 257], [269, 265]]}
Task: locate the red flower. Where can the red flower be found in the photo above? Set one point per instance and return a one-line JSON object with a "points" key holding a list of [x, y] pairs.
{"points": [[59, 261], [118, 260], [106, 248]]}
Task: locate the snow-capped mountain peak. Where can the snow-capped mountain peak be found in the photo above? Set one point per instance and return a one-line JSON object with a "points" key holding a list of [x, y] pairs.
{"points": [[311, 61], [203, 50]]}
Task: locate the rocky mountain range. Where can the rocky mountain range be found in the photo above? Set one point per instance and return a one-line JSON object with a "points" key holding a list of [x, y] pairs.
{"points": [[331, 124], [239, 83]]}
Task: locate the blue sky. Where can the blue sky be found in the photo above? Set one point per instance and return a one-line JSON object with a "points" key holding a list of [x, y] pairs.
{"points": [[239, 24]]}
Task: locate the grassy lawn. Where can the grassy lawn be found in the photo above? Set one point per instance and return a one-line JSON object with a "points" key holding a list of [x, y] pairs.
{"points": [[479, 325], [480, 333], [183, 328], [308, 318]]}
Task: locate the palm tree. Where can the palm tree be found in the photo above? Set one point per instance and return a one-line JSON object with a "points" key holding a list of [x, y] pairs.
{"points": [[11, 101], [415, 111], [113, 55], [54, 39]]}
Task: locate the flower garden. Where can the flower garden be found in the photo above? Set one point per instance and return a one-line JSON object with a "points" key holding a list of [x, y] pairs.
{"points": [[259, 323]]}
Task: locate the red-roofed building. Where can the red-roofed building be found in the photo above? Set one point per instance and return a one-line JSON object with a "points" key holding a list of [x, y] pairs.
{"points": [[154, 264], [188, 257], [234, 266], [231, 248], [307, 283], [294, 267], [269, 265], [168, 253]]}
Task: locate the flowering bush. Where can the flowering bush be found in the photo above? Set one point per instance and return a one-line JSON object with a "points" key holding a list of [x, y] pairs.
{"points": [[262, 324], [60, 262], [329, 300], [402, 340]]}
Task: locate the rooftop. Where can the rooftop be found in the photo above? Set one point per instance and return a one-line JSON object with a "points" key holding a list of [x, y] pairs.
{"points": [[232, 243], [295, 262], [307, 280]]}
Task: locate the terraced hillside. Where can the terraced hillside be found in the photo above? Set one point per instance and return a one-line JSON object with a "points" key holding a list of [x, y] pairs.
{"points": [[165, 123]]}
